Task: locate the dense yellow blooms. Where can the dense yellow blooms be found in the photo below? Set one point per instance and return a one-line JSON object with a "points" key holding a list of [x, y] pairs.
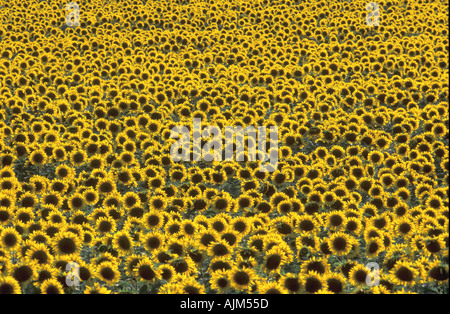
{"points": [[87, 179]]}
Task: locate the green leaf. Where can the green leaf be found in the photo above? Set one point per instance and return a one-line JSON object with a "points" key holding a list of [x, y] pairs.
{"points": [[143, 289]]}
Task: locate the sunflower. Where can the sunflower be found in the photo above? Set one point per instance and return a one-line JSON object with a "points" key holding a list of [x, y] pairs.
{"points": [[220, 248], [90, 196], [96, 289], [76, 202], [242, 225], [107, 271], [385, 287], [10, 239], [434, 246], [125, 177], [358, 275], [244, 202], [272, 288], [153, 241], [51, 286], [73, 228], [24, 217], [436, 271], [307, 224], [66, 244], [313, 282], [316, 265], [340, 243], [275, 258], [7, 200], [423, 189], [350, 183], [353, 225], [39, 253], [86, 271], [374, 246], [6, 215], [242, 279], [335, 220], [219, 223], [306, 244], [123, 243], [38, 158], [256, 243], [404, 227], [9, 285], [372, 232], [112, 200], [24, 273], [220, 281], [297, 205], [5, 264], [173, 227], [230, 236], [59, 153], [64, 172], [183, 265], [439, 129], [28, 200], [106, 186], [176, 246], [177, 174], [375, 157], [387, 180], [434, 201], [45, 272], [222, 203], [166, 273], [335, 282], [285, 207], [292, 283], [58, 186], [97, 213], [271, 240], [78, 157], [171, 288], [189, 285], [379, 222], [329, 198], [404, 273], [156, 182], [130, 200], [220, 263], [153, 220], [157, 203], [402, 193], [130, 263], [105, 225], [24, 247]]}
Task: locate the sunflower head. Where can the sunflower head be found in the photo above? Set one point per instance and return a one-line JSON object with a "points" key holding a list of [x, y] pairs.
{"points": [[313, 282], [404, 273], [66, 244], [242, 279], [9, 285], [340, 243], [108, 272]]}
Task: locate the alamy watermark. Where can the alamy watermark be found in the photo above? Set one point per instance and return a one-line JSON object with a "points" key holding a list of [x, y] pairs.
{"points": [[73, 277], [73, 18], [212, 149], [373, 17], [373, 278]]}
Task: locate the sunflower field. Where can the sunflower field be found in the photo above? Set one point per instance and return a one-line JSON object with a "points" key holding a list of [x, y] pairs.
{"points": [[92, 202]]}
